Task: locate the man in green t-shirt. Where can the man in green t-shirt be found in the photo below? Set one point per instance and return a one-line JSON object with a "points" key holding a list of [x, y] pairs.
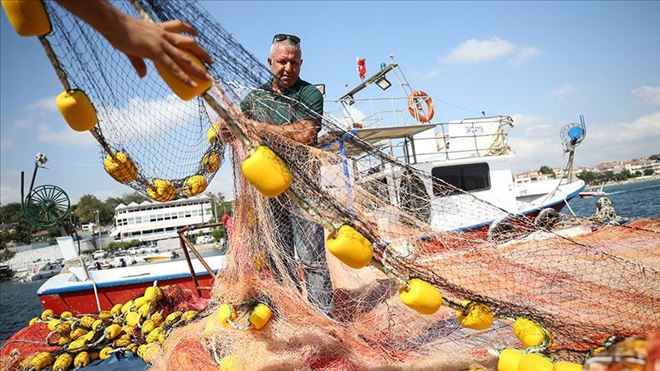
{"points": [[292, 107]]}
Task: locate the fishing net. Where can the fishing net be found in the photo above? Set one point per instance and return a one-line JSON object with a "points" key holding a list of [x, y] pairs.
{"points": [[578, 289]]}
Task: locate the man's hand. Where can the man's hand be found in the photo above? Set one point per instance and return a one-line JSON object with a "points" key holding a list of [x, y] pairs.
{"points": [[138, 39]]}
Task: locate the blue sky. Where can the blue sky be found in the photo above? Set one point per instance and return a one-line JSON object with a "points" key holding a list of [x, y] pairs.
{"points": [[542, 62]]}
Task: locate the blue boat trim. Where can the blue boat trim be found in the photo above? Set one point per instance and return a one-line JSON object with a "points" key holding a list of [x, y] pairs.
{"points": [[131, 281]]}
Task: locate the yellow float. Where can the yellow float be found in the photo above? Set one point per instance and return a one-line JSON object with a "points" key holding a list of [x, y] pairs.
{"points": [[350, 246], [421, 296], [181, 89], [77, 109], [260, 316], [267, 172], [27, 17]]}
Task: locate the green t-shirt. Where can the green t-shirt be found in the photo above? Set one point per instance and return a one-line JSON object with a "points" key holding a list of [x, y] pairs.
{"points": [[299, 102]]}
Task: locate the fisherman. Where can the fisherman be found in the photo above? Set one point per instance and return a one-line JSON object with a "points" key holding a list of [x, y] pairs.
{"points": [[291, 107]]}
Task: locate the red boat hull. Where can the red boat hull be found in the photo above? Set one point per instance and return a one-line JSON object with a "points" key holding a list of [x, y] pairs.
{"points": [[84, 301]]}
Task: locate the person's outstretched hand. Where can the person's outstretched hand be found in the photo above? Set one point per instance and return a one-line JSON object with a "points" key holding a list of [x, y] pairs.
{"points": [[164, 43]]}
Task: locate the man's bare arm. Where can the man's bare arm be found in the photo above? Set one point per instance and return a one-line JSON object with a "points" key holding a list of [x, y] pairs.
{"points": [[139, 39], [303, 131]]}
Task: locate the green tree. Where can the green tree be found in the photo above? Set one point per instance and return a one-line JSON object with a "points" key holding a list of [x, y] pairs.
{"points": [[654, 157], [638, 173], [217, 234], [87, 207], [648, 172], [546, 170]]}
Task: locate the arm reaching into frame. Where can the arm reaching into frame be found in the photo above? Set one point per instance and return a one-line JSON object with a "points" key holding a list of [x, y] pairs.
{"points": [[139, 39]]}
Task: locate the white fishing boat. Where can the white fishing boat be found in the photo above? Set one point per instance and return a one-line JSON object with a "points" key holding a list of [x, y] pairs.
{"points": [[471, 154]]}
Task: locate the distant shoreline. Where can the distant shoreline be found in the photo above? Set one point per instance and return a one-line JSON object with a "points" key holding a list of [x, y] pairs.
{"points": [[639, 179]]}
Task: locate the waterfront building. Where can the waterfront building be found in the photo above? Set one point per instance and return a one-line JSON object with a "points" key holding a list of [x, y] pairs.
{"points": [[153, 221]]}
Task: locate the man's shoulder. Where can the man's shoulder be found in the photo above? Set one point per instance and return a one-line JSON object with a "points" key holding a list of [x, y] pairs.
{"points": [[309, 91]]}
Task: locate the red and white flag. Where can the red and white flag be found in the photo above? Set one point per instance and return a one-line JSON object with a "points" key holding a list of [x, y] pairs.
{"points": [[362, 67]]}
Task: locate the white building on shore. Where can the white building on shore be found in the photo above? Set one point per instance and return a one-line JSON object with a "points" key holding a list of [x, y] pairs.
{"points": [[152, 221]]}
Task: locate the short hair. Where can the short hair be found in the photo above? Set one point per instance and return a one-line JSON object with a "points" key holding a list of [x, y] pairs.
{"points": [[286, 43]]}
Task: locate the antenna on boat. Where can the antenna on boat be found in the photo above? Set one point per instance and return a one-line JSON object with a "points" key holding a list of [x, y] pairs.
{"points": [[572, 135]]}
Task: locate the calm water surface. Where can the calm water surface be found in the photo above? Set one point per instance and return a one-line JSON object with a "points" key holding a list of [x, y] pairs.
{"points": [[19, 303]]}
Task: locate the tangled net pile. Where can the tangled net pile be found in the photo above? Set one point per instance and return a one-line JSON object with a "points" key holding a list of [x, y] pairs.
{"points": [[578, 292]]}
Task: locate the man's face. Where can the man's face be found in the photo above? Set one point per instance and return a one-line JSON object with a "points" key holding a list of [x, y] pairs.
{"points": [[285, 65]]}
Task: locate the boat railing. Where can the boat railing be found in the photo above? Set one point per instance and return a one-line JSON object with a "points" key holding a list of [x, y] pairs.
{"points": [[399, 133], [187, 245]]}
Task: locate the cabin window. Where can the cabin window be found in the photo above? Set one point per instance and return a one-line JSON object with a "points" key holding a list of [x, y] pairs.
{"points": [[469, 177]]}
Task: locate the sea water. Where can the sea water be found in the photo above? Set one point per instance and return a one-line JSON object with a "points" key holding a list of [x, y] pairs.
{"points": [[19, 303]]}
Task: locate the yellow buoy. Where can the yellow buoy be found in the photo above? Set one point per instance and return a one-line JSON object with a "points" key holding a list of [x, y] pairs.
{"points": [[27, 17], [87, 321], [41, 361], [181, 89], [77, 110], [105, 353], [195, 185], [189, 315], [33, 321], [350, 246], [112, 331], [212, 133], [120, 167], [153, 293], [47, 315], [211, 162], [148, 326], [509, 359], [475, 315], [149, 352], [133, 318], [530, 333], [567, 366], [81, 360], [63, 362], [77, 345], [116, 309], [172, 317], [267, 172], [226, 313], [260, 316], [53, 323], [126, 306], [421, 296], [140, 301], [66, 315], [161, 190], [535, 362]]}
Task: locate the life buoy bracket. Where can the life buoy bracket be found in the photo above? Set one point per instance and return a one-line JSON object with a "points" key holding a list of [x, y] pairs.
{"points": [[415, 100]]}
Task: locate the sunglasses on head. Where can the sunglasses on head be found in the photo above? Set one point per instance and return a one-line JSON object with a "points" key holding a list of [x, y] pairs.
{"points": [[281, 37]]}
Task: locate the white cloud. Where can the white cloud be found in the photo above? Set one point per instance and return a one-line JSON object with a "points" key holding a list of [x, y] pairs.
{"points": [[477, 51], [564, 91], [432, 74], [524, 54], [42, 105], [535, 126], [649, 95], [642, 129], [147, 119], [539, 144], [63, 137]]}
